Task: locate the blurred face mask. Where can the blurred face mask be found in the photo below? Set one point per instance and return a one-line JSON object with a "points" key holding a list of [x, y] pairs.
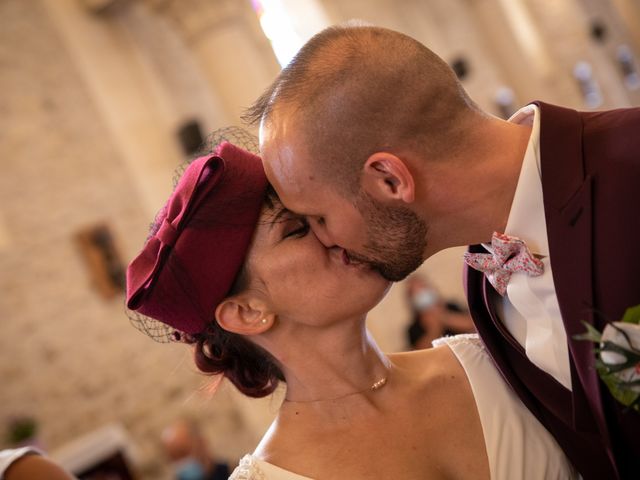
{"points": [[424, 299], [189, 469]]}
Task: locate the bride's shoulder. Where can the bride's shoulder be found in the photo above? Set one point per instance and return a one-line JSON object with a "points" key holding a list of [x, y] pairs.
{"points": [[438, 382], [430, 367], [442, 349]]}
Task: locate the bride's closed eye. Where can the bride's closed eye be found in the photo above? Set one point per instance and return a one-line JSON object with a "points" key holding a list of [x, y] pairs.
{"points": [[295, 228]]}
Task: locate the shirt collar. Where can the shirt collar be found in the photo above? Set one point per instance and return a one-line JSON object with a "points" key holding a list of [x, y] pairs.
{"points": [[526, 217]]}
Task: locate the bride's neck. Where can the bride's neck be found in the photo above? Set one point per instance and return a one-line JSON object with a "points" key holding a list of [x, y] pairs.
{"points": [[332, 363]]}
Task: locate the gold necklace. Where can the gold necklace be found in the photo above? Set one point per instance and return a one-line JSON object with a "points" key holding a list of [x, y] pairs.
{"points": [[377, 385]]}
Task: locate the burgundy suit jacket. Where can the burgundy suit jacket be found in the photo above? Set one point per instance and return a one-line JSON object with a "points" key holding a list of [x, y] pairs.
{"points": [[590, 164]]}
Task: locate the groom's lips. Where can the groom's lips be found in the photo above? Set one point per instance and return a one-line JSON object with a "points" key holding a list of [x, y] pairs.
{"points": [[345, 257], [350, 261]]}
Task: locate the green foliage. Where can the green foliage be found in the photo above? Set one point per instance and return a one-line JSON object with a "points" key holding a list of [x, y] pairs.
{"points": [[591, 335], [621, 391], [21, 429], [626, 392], [632, 315]]}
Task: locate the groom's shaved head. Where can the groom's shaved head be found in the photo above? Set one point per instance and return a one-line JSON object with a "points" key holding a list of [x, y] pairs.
{"points": [[354, 90]]}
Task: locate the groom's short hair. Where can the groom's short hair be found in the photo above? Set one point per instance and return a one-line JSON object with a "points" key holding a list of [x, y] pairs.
{"points": [[353, 90]]}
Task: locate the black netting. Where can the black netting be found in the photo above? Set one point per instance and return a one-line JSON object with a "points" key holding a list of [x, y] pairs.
{"points": [[235, 135]]}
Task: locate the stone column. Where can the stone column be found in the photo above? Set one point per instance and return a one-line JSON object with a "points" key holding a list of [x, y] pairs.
{"points": [[229, 47], [565, 29], [130, 98], [618, 32]]}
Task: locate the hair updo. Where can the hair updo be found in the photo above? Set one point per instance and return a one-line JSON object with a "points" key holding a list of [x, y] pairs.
{"points": [[251, 369]]}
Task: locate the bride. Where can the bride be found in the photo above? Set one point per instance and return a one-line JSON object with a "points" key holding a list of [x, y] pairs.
{"points": [[230, 271]]}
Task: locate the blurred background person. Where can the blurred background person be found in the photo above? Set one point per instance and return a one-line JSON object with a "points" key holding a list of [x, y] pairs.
{"points": [[189, 453], [433, 316]]}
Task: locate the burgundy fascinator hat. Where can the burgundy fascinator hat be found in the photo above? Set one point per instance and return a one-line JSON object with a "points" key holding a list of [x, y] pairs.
{"points": [[197, 244]]}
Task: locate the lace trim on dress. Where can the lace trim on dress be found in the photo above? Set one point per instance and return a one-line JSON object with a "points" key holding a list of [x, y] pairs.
{"points": [[247, 469], [463, 338]]}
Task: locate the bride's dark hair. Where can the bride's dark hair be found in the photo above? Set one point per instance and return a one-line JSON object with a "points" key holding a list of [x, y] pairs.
{"points": [[252, 370]]}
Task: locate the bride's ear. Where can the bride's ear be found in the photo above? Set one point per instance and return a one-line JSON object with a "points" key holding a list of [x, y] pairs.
{"points": [[243, 316]]}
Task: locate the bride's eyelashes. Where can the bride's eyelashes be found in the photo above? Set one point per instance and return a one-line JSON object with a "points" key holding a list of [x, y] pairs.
{"points": [[295, 229]]}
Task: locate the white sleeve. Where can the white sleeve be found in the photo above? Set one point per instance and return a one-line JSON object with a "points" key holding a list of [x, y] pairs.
{"points": [[7, 457]]}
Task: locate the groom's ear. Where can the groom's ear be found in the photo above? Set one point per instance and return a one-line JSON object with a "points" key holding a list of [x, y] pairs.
{"points": [[387, 177], [243, 315]]}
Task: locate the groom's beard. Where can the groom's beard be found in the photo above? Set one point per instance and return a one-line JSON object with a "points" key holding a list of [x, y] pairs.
{"points": [[396, 239]]}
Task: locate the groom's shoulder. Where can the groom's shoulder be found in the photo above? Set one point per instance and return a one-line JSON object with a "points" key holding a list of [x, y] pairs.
{"points": [[615, 129], [611, 140]]}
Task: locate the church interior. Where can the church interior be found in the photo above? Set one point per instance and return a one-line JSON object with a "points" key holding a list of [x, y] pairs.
{"points": [[102, 100]]}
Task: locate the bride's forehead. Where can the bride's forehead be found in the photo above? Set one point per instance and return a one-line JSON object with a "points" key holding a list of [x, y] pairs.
{"points": [[274, 212]]}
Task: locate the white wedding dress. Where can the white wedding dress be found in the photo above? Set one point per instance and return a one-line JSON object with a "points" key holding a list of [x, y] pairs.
{"points": [[518, 446]]}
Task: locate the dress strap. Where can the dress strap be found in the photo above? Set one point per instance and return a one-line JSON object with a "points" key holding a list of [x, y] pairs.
{"points": [[247, 469], [463, 338]]}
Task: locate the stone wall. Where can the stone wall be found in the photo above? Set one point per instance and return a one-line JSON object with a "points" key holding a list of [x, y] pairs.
{"points": [[70, 357]]}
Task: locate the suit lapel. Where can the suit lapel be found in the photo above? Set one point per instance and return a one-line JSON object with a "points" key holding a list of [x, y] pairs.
{"points": [[534, 386], [567, 192]]}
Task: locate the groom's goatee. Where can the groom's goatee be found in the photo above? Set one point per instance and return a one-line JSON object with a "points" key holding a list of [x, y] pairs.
{"points": [[396, 239]]}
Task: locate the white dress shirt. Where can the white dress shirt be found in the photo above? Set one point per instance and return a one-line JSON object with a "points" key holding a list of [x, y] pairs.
{"points": [[529, 309]]}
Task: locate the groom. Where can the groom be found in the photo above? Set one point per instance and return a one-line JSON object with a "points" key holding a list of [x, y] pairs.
{"points": [[370, 135]]}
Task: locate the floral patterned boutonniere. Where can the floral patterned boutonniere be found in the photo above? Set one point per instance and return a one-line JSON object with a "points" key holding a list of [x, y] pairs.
{"points": [[618, 356]]}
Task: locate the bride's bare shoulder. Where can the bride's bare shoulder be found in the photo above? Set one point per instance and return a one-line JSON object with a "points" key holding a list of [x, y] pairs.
{"points": [[440, 384], [430, 360], [434, 372]]}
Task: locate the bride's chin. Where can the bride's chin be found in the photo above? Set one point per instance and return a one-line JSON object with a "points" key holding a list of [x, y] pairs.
{"points": [[379, 292], [382, 283], [373, 280], [361, 299]]}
